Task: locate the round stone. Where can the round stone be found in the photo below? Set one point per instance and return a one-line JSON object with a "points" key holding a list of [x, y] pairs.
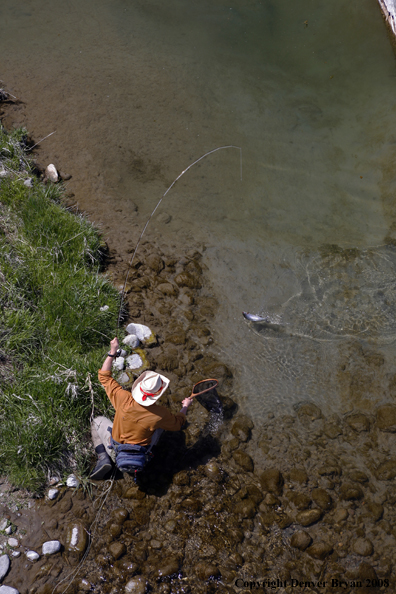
{"points": [[300, 540], [120, 514], [136, 585], [8, 590], [167, 568], [309, 516], [363, 547], [272, 480], [320, 550], [32, 555], [244, 460], [72, 481], [117, 549], [53, 493], [4, 566], [76, 538], [13, 542], [322, 499], [50, 547]]}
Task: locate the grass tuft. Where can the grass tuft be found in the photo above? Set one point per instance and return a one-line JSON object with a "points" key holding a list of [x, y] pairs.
{"points": [[53, 335]]}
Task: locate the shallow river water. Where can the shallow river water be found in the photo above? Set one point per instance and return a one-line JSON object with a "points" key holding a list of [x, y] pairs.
{"points": [[137, 91]]}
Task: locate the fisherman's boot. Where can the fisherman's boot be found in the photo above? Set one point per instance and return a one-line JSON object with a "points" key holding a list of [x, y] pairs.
{"points": [[103, 465]]}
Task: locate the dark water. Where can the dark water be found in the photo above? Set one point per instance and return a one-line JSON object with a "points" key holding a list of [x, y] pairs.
{"points": [[136, 91]]}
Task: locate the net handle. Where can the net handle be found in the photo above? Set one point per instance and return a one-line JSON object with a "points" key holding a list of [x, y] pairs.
{"points": [[207, 389]]}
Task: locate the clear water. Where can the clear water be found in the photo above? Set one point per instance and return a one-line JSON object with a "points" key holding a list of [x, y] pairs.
{"points": [[136, 91]]}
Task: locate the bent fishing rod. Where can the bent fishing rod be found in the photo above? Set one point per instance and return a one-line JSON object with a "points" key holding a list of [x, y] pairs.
{"points": [[159, 202]]}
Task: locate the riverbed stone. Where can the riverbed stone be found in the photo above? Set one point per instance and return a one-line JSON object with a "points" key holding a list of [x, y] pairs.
{"points": [[72, 482], [131, 340], [12, 542], [212, 471], [50, 547], [117, 549], [322, 499], [4, 566], [386, 418], [155, 262], [168, 289], [363, 547], [120, 514], [332, 430], [244, 460], [340, 515], [144, 334], [51, 173], [272, 480], [137, 585], [349, 492], [76, 538], [386, 471], [308, 517], [358, 422], [167, 567], [298, 475], [206, 571], [310, 411], [245, 508], [242, 429], [32, 556], [300, 540], [320, 550], [358, 476], [375, 511], [52, 493], [185, 279]]}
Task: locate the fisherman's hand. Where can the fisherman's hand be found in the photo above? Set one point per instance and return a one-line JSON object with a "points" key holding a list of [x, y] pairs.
{"points": [[187, 402], [114, 346]]}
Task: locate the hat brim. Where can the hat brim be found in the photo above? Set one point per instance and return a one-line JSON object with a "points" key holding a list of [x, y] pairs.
{"points": [[137, 394]]}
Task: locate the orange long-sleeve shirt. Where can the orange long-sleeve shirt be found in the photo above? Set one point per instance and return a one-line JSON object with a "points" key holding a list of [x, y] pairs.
{"points": [[134, 423]]}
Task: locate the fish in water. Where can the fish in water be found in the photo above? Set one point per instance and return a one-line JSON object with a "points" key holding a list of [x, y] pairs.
{"points": [[255, 317]]}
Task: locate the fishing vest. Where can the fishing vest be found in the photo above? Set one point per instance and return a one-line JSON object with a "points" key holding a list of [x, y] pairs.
{"points": [[130, 458]]}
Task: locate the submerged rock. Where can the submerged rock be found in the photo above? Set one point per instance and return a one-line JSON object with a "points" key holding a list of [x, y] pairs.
{"points": [[244, 460], [308, 517], [322, 499], [386, 418], [300, 540], [363, 547], [320, 550], [358, 422], [136, 585], [4, 566], [272, 480]]}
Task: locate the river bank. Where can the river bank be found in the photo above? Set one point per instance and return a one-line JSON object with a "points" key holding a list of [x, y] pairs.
{"points": [[303, 497]]}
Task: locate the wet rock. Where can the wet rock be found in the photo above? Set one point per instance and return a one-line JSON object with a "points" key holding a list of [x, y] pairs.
{"points": [[242, 429], [331, 430], [358, 476], [320, 550], [181, 478], [4, 566], [206, 570], [330, 470], [169, 360], [32, 556], [76, 538], [358, 422], [386, 471], [340, 515], [117, 549], [322, 499], [245, 508], [300, 540], [255, 493], [386, 418], [137, 585], [309, 411], [155, 262], [168, 289], [50, 547], [298, 475], [177, 338], [120, 514], [349, 492], [51, 173], [167, 568], [300, 500], [185, 279], [308, 517], [272, 480], [375, 511], [363, 547], [213, 471], [283, 521], [134, 493], [192, 505], [243, 460], [271, 500]]}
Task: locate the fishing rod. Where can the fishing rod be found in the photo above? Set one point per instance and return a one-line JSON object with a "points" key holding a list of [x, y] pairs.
{"points": [[159, 202]]}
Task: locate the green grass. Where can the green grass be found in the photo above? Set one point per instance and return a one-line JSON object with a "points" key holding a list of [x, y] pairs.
{"points": [[53, 336]]}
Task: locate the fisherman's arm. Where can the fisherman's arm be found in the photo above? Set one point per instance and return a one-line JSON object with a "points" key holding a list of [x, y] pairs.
{"points": [[113, 388], [171, 422]]}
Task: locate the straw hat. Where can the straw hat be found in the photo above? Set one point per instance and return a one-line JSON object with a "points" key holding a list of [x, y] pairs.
{"points": [[149, 387]]}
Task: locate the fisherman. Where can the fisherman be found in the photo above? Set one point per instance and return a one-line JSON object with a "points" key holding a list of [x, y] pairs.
{"points": [[138, 419]]}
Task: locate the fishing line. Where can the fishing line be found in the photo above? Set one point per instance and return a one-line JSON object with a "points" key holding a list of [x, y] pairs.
{"points": [[159, 202]]}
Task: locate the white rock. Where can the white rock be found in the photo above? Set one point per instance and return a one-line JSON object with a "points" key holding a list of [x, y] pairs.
{"points": [[51, 546], [51, 173], [139, 330], [12, 542], [8, 590], [134, 362], [4, 566], [104, 308], [53, 493], [3, 524], [131, 340], [53, 480], [136, 585], [32, 555], [72, 481], [28, 182], [118, 363], [8, 530], [123, 378], [3, 173], [16, 553]]}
